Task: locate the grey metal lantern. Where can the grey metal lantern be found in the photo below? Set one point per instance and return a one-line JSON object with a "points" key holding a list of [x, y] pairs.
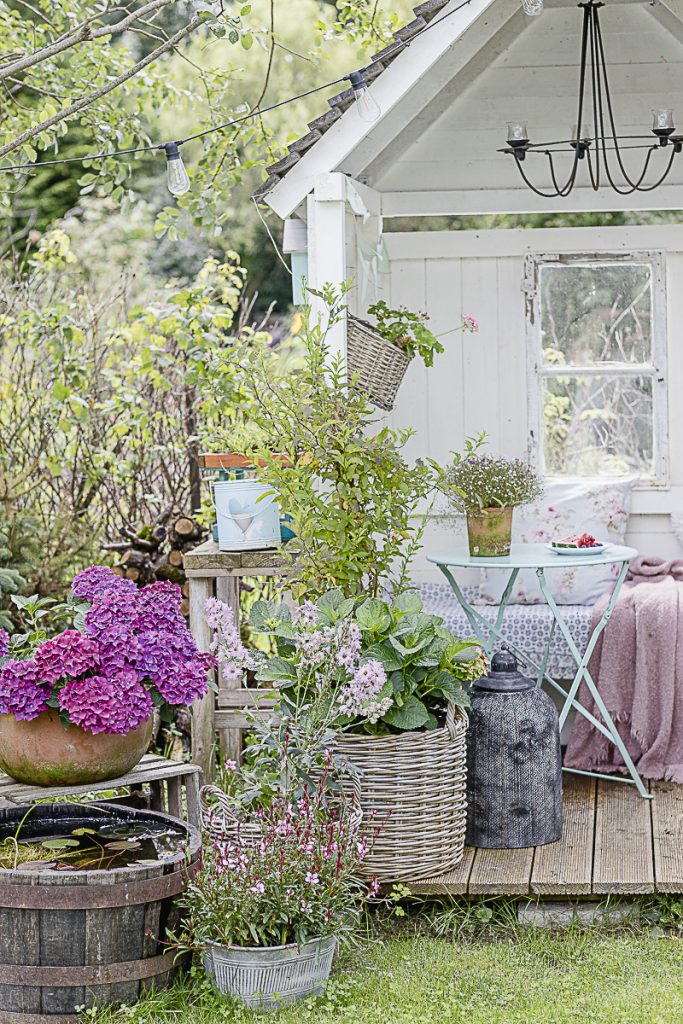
{"points": [[514, 761]]}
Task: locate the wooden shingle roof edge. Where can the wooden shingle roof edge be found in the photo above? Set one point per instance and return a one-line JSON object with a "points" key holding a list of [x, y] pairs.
{"points": [[423, 14]]}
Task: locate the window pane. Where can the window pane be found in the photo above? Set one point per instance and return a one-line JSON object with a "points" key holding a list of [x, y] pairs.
{"points": [[598, 425], [593, 313]]}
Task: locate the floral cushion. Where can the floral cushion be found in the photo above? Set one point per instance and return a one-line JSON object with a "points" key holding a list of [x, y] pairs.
{"points": [[565, 508]]}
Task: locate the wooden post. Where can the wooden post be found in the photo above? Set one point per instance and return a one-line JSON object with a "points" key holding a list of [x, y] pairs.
{"points": [[228, 590], [203, 711]]}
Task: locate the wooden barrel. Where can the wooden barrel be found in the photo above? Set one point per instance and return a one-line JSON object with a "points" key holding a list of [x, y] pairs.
{"points": [[78, 938]]}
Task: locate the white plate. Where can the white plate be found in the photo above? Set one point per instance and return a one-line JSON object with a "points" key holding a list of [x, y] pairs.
{"points": [[597, 549]]}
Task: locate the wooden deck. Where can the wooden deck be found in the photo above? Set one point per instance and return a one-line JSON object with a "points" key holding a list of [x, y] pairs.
{"points": [[613, 842]]}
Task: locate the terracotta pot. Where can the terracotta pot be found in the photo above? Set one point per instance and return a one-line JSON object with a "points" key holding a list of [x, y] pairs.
{"points": [[489, 532], [46, 753]]}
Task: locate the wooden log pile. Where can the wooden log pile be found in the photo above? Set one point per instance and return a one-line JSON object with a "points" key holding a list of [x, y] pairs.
{"points": [[156, 551]]}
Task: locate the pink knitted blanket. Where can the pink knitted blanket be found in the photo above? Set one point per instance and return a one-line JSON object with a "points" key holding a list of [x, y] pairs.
{"points": [[637, 666]]}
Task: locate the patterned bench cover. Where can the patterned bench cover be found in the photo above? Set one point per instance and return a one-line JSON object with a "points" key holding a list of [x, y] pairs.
{"points": [[527, 625]]}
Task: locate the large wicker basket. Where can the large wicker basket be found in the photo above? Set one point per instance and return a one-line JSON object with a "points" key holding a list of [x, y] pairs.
{"points": [[412, 798], [378, 365]]}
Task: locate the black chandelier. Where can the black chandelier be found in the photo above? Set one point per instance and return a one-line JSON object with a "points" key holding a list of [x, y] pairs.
{"points": [[600, 150]]}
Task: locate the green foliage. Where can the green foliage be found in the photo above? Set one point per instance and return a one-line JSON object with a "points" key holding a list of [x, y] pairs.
{"points": [[473, 482], [101, 405], [357, 505], [406, 331], [424, 664]]}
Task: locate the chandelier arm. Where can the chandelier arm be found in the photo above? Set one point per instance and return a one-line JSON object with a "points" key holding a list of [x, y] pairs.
{"points": [[528, 183], [602, 71], [595, 93], [595, 181], [651, 188], [565, 189]]}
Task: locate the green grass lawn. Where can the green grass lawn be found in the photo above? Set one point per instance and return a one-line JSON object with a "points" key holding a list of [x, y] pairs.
{"points": [[515, 978]]}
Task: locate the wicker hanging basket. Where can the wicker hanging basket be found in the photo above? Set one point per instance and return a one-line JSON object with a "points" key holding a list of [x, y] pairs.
{"points": [[220, 820], [412, 798], [378, 365]]}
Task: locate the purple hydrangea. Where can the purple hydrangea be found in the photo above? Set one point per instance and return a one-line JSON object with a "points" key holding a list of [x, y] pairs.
{"points": [[159, 606], [113, 607], [182, 682], [98, 578], [4, 643], [110, 704], [20, 692], [69, 654]]}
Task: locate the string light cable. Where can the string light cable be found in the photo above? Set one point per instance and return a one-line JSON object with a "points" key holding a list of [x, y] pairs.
{"points": [[177, 178]]}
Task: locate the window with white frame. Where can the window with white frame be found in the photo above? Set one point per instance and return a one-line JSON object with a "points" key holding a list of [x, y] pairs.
{"points": [[597, 361]]}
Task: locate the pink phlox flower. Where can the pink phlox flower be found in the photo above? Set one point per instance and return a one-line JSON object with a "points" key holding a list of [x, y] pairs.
{"points": [[470, 324], [258, 888], [312, 877]]}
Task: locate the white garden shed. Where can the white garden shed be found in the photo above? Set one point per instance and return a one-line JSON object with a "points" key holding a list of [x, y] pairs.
{"points": [[434, 152]]}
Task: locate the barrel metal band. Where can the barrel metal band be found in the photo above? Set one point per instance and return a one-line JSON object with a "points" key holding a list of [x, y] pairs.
{"points": [[96, 897], [29, 976]]}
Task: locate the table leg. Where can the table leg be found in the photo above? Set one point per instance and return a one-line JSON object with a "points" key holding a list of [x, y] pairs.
{"points": [[583, 673], [475, 619]]}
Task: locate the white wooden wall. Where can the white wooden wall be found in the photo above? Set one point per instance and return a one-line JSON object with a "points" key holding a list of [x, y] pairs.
{"points": [[480, 382]]}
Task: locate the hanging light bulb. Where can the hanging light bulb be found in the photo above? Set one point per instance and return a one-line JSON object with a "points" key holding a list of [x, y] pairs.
{"points": [[532, 7], [177, 178], [367, 107]]}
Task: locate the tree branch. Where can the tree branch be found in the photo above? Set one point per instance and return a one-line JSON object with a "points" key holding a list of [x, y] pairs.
{"points": [[92, 97], [83, 33]]}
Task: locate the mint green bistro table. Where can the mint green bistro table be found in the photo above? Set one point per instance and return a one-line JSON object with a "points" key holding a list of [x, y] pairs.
{"points": [[540, 558]]}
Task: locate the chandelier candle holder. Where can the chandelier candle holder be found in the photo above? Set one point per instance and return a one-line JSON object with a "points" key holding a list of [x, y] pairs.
{"points": [[600, 149]]}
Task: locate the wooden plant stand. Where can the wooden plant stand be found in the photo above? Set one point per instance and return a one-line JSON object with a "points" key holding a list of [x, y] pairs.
{"points": [[214, 573], [166, 781]]}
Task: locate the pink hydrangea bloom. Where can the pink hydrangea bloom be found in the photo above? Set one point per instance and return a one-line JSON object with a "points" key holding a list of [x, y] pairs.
{"points": [[115, 705], [20, 692], [4, 643], [70, 654]]}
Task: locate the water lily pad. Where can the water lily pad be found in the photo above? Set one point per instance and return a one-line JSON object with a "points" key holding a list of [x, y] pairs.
{"points": [[37, 865], [122, 845], [84, 832], [59, 844]]}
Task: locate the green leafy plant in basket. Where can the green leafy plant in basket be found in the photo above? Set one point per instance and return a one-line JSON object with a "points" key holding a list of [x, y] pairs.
{"points": [[409, 332], [358, 506], [388, 665]]}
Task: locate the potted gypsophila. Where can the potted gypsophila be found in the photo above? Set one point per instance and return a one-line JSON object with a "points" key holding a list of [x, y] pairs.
{"points": [[78, 707], [381, 684], [267, 915], [380, 353], [487, 489]]}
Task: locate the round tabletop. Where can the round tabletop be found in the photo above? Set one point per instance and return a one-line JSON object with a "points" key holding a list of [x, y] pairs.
{"points": [[531, 556]]}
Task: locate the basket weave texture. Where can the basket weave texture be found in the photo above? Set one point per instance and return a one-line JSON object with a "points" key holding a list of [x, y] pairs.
{"points": [[221, 822], [413, 798], [379, 366]]}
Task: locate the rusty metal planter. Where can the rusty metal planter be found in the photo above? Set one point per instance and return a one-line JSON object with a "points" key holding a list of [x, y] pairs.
{"points": [[71, 939]]}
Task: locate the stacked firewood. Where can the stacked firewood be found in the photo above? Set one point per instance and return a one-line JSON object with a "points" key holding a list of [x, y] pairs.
{"points": [[156, 551]]}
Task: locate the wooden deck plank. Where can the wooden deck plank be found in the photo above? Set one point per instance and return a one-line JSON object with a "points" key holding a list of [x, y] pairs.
{"points": [[566, 868], [667, 835], [451, 882], [623, 840], [501, 872]]}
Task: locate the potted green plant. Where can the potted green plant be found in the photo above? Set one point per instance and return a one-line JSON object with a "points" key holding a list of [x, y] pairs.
{"points": [[379, 684], [487, 489], [379, 354], [357, 505], [268, 915], [78, 707]]}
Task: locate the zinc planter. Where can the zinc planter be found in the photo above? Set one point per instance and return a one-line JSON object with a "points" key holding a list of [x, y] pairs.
{"points": [[248, 515], [46, 753], [269, 976], [489, 532]]}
